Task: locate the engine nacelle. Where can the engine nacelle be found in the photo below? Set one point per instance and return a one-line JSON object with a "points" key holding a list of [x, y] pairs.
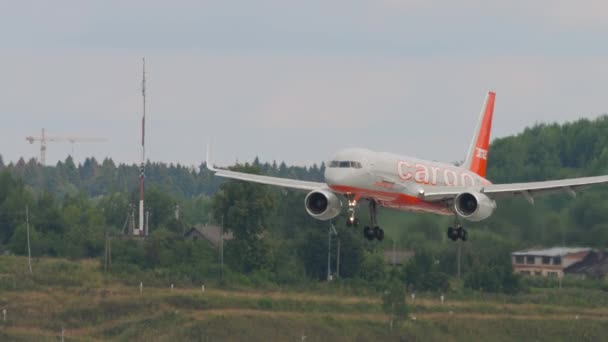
{"points": [[323, 204], [474, 206]]}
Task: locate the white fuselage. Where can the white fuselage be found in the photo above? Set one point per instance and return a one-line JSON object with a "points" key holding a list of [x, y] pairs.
{"points": [[394, 181]]}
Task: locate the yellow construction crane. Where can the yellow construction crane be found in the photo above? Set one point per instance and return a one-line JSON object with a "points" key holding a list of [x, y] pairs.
{"points": [[44, 139]]}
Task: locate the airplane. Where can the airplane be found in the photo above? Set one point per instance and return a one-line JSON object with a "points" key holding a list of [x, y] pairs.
{"points": [[410, 184]]}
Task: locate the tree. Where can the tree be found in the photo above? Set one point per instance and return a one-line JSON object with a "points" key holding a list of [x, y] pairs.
{"points": [[433, 281], [393, 302], [351, 252], [417, 266], [245, 207], [494, 275], [372, 268], [246, 210], [248, 255], [483, 279], [18, 242], [115, 208], [13, 200], [511, 282], [69, 171], [47, 216], [156, 246], [161, 206], [312, 250]]}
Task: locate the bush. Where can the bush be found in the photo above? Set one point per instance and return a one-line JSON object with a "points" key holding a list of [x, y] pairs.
{"points": [[483, 279], [373, 268], [265, 303], [494, 280], [393, 301], [433, 281]]}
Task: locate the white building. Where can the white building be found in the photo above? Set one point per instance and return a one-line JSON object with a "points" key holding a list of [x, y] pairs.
{"points": [[547, 262]]}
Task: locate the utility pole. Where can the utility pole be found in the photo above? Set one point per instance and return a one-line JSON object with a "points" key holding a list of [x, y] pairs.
{"points": [[329, 232], [177, 220], [142, 229], [27, 228], [132, 226], [108, 252], [459, 254], [338, 260], [105, 253], [222, 248], [329, 253], [394, 253], [147, 225]]}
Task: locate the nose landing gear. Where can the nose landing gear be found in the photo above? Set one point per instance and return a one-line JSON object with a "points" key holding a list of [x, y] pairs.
{"points": [[352, 204], [371, 232], [352, 220]]}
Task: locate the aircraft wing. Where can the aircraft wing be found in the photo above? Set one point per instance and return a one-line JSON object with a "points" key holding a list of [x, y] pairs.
{"points": [[527, 190], [282, 182], [276, 181]]}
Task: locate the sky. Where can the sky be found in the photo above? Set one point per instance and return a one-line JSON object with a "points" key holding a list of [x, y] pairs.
{"points": [[292, 81]]}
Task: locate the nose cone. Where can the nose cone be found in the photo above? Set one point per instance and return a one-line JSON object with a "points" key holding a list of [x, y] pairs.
{"points": [[332, 176], [346, 167], [339, 176]]}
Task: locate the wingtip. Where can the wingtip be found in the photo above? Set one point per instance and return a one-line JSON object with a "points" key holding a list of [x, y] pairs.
{"points": [[208, 160]]}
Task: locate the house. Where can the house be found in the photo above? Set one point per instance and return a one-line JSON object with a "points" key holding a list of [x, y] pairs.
{"points": [[210, 233], [593, 266], [549, 262], [194, 233]]}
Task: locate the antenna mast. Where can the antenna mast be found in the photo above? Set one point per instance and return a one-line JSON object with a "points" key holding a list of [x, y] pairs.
{"points": [[141, 230]]}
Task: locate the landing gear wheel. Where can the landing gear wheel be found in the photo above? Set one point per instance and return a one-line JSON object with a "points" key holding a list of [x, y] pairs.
{"points": [[453, 233], [379, 233], [464, 235], [368, 232]]}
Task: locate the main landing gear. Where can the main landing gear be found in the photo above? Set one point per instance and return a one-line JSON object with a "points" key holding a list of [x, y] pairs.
{"points": [[457, 232], [373, 231]]}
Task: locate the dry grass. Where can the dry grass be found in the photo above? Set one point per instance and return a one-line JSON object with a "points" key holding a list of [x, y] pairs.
{"points": [[105, 310]]}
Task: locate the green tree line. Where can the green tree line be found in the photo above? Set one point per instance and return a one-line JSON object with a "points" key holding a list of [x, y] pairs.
{"points": [[74, 207]]}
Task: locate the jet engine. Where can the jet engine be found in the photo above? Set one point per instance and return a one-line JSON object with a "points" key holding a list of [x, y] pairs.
{"points": [[323, 204], [474, 206]]}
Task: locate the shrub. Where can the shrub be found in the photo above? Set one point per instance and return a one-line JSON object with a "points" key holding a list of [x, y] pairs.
{"points": [[265, 303], [433, 281]]}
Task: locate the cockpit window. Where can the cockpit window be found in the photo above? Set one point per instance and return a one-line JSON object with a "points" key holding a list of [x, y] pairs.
{"points": [[345, 164]]}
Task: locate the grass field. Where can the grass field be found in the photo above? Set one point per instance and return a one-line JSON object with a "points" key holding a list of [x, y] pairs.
{"points": [[77, 297]]}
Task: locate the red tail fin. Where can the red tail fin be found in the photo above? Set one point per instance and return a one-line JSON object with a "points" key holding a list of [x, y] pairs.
{"points": [[477, 158]]}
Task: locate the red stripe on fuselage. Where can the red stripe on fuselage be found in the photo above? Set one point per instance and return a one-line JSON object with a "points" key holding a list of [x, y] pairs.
{"points": [[394, 200]]}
